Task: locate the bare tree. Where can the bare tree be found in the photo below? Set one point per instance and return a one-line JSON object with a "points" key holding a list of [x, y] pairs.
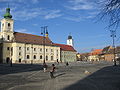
{"points": [[111, 12]]}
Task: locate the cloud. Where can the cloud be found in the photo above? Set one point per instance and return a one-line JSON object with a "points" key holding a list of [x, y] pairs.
{"points": [[80, 5], [27, 14], [53, 14], [76, 19]]}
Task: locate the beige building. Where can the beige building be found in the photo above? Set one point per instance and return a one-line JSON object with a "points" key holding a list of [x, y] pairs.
{"points": [[24, 48], [18, 47]]}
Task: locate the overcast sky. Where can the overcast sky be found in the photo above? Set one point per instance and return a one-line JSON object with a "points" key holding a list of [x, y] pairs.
{"points": [[78, 17]]}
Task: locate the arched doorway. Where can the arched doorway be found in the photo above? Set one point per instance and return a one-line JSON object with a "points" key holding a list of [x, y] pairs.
{"points": [[7, 60]]}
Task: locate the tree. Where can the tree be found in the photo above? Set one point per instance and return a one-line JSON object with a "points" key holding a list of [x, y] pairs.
{"points": [[111, 12]]}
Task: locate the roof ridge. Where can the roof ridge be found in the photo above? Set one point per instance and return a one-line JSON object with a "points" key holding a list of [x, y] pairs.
{"points": [[29, 34]]}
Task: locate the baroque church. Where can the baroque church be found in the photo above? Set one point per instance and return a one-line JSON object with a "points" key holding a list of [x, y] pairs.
{"points": [[19, 47]]}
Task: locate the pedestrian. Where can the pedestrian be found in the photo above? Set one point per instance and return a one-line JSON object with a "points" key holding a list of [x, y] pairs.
{"points": [[44, 67], [67, 64], [57, 61], [52, 70]]}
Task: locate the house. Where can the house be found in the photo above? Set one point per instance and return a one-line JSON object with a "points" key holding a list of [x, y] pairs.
{"points": [[95, 55], [107, 53]]}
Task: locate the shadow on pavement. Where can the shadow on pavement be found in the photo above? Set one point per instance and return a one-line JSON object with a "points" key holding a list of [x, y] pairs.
{"points": [[17, 68], [107, 78], [60, 74]]}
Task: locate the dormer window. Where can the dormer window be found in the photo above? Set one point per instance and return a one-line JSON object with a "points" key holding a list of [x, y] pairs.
{"points": [[8, 24]]}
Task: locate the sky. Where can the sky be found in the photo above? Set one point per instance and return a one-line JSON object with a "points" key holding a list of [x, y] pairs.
{"points": [[78, 18]]}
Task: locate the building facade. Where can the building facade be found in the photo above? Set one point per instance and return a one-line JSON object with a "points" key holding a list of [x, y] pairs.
{"points": [[67, 53], [95, 55], [24, 48], [18, 47]]}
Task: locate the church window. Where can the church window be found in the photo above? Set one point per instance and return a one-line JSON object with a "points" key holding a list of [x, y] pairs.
{"points": [[27, 48], [34, 57], [41, 49], [19, 48], [19, 53], [51, 57], [46, 50], [41, 57], [8, 48], [46, 58], [8, 37], [34, 49], [28, 56], [8, 24]]}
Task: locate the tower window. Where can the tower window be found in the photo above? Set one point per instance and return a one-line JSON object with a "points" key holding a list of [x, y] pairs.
{"points": [[8, 37], [8, 24]]}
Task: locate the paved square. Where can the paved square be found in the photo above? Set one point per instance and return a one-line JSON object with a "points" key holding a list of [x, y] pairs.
{"points": [[76, 76]]}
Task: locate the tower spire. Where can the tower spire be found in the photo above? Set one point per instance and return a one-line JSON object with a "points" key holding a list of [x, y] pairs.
{"points": [[7, 14]]}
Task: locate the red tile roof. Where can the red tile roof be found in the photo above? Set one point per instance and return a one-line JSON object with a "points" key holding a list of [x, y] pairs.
{"points": [[65, 47], [96, 52], [32, 39]]}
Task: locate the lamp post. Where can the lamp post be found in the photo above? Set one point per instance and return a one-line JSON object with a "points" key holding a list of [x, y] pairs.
{"points": [[44, 32], [113, 35]]}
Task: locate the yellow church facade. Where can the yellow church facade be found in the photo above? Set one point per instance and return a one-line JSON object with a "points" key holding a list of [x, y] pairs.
{"points": [[19, 47]]}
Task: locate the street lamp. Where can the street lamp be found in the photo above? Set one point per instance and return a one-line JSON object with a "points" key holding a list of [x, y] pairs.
{"points": [[113, 36], [44, 32]]}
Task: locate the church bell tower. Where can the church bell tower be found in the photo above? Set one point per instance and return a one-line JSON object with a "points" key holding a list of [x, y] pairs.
{"points": [[70, 41], [7, 22]]}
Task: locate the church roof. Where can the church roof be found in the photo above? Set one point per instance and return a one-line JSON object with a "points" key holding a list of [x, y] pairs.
{"points": [[31, 39], [65, 47]]}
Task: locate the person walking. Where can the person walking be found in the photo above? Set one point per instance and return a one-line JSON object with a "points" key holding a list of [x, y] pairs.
{"points": [[44, 67], [52, 70]]}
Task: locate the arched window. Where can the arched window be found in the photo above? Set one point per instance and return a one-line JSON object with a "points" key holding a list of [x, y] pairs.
{"points": [[8, 37], [8, 24], [51, 57], [46, 58], [28, 56], [40, 56], [34, 57]]}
